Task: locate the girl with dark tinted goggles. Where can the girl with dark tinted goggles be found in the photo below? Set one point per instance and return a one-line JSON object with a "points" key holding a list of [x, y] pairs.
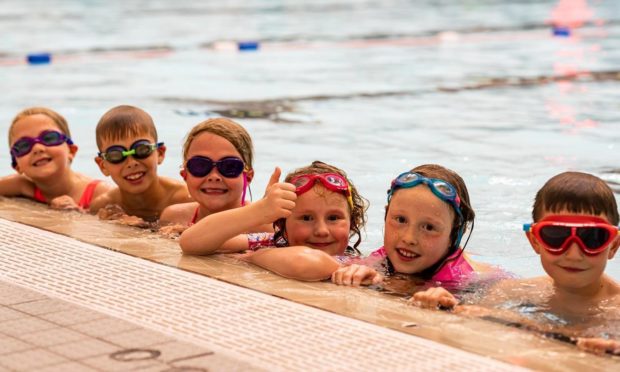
{"points": [[229, 167], [141, 149], [24, 145], [331, 181], [442, 189], [556, 233]]}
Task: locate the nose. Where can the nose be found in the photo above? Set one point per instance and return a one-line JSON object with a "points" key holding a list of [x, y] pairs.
{"points": [[320, 228], [574, 251], [409, 236], [214, 175], [37, 147]]}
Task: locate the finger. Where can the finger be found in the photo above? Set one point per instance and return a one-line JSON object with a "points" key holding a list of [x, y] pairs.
{"points": [[447, 302], [275, 177], [361, 274], [337, 277]]}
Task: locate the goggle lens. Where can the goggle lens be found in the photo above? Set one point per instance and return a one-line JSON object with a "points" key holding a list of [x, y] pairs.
{"points": [[24, 145], [200, 166], [556, 233], [140, 150]]}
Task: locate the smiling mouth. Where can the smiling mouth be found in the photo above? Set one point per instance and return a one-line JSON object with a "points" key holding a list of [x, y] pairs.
{"points": [[572, 269], [321, 245], [135, 176], [213, 191], [406, 255], [41, 162]]}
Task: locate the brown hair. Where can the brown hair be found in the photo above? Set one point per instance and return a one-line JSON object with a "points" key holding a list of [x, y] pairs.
{"points": [[230, 130], [358, 211], [578, 193], [58, 119], [122, 122]]}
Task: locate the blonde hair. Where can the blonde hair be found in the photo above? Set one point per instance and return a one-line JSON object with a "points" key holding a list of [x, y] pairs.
{"points": [[228, 129], [58, 119], [122, 122]]}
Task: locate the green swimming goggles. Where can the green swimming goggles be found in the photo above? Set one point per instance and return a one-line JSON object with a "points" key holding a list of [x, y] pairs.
{"points": [[140, 149]]}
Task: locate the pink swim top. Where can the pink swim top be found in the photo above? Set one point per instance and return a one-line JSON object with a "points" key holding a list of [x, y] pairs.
{"points": [[85, 199], [455, 269]]}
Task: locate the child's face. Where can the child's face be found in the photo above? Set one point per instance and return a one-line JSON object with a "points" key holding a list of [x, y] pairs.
{"points": [[42, 162], [320, 220], [573, 269], [214, 191], [132, 175], [417, 229]]}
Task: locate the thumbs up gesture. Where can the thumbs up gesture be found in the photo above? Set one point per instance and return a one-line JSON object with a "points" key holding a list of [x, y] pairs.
{"points": [[279, 198]]}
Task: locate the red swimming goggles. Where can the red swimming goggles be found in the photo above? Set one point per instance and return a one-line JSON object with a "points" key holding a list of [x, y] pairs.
{"points": [[557, 233], [331, 181]]}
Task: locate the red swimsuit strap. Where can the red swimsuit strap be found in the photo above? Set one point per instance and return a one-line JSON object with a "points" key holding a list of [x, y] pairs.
{"points": [[38, 195], [87, 195], [195, 217]]}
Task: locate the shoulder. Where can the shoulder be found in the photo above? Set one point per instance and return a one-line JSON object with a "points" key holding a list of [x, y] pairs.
{"points": [[176, 190], [178, 213]]}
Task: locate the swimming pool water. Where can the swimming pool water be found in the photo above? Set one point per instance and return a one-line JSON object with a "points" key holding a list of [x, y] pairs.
{"points": [[374, 88]]}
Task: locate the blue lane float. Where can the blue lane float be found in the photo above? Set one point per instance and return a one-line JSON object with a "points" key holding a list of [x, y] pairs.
{"points": [[561, 31], [248, 45], [39, 58]]}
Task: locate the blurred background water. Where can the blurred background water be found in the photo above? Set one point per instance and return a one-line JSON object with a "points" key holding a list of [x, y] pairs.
{"points": [[483, 87]]}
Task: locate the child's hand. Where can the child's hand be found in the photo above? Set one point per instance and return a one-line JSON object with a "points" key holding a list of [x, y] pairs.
{"points": [[433, 298], [599, 345], [356, 275], [64, 202], [172, 231], [279, 198]]}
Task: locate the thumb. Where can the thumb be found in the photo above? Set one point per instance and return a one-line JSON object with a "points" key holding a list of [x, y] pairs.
{"points": [[275, 177]]}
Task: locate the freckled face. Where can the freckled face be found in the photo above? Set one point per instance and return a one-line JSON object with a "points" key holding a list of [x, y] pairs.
{"points": [[417, 229], [321, 219], [214, 191], [42, 162]]}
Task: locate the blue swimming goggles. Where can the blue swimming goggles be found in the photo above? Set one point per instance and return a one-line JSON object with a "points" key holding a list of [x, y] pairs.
{"points": [[442, 189]]}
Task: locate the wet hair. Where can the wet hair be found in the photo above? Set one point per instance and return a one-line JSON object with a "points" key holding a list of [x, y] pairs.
{"points": [[230, 130], [124, 122], [358, 211], [445, 174], [58, 119], [578, 193]]}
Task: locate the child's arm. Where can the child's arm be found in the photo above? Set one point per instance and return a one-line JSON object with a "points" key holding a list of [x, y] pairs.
{"points": [[16, 185], [356, 275], [599, 345], [223, 231], [301, 263]]}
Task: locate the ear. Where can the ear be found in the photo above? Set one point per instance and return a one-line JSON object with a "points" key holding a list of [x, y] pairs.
{"points": [[533, 242], [161, 154], [102, 166], [72, 151], [614, 248], [249, 175], [183, 174]]}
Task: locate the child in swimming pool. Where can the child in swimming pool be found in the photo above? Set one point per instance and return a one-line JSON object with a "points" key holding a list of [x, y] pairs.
{"points": [[129, 153], [317, 208], [575, 232], [427, 214], [41, 153], [217, 168]]}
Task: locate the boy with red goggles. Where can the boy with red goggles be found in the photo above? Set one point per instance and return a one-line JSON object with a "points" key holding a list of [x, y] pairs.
{"points": [[575, 233]]}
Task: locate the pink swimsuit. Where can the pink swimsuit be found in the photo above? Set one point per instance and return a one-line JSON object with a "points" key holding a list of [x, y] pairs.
{"points": [[455, 269], [85, 199]]}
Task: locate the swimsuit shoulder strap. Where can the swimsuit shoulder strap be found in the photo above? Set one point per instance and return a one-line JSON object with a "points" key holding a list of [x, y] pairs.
{"points": [[195, 216], [38, 195], [87, 195]]}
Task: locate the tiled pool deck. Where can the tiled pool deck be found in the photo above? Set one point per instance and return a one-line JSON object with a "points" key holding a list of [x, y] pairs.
{"points": [[69, 305]]}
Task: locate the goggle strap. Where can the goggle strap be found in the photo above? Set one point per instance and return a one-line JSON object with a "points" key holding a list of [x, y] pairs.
{"points": [[527, 227]]}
